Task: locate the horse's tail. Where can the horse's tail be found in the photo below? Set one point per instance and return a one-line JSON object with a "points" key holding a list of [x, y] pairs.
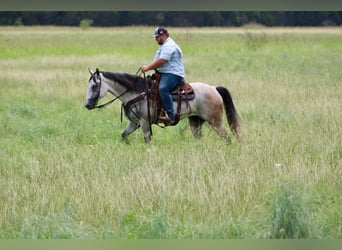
{"points": [[232, 115]]}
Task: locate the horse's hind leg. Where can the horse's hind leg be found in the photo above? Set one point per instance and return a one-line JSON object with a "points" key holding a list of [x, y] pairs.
{"points": [[221, 131], [196, 126], [217, 125], [129, 129]]}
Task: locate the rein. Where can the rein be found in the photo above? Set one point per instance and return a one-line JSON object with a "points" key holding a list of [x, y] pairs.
{"points": [[111, 101], [147, 100]]}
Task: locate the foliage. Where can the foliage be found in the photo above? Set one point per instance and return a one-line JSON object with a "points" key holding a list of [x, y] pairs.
{"points": [[18, 21], [289, 219], [86, 23], [175, 18]]}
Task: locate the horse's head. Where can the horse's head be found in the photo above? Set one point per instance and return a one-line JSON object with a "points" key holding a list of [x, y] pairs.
{"points": [[96, 90]]}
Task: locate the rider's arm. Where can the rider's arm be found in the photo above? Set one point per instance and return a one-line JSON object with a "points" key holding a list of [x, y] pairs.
{"points": [[156, 64]]}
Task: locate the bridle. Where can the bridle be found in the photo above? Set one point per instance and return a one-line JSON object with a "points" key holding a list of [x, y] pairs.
{"points": [[99, 91]]}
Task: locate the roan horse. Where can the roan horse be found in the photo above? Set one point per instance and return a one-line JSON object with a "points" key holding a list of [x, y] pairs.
{"points": [[132, 90]]}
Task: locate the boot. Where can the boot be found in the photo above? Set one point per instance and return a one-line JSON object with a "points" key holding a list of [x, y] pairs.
{"points": [[166, 120]]}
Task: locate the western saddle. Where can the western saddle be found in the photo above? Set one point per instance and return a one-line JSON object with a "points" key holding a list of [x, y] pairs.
{"points": [[183, 92]]}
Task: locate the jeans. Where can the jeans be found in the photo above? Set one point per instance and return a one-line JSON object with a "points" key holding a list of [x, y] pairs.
{"points": [[166, 84]]}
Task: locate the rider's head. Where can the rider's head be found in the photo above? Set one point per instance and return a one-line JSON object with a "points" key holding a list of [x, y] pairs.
{"points": [[160, 34]]}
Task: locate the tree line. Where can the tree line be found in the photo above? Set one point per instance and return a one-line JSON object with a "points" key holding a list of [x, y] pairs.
{"points": [[172, 18]]}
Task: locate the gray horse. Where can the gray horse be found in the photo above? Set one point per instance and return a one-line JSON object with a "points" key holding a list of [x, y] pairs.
{"points": [[208, 103]]}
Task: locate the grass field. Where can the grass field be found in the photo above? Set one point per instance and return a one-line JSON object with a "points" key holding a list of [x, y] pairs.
{"points": [[65, 173]]}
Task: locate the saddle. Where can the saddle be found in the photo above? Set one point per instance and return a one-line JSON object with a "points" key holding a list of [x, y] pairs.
{"points": [[183, 92]]}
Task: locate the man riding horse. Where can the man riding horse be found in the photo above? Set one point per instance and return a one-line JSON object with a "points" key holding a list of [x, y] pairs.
{"points": [[168, 62]]}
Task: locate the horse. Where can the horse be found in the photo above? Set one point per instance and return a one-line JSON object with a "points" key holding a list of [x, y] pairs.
{"points": [[208, 104]]}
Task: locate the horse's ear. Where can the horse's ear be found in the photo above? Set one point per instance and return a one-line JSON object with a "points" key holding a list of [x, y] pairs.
{"points": [[97, 71], [91, 72]]}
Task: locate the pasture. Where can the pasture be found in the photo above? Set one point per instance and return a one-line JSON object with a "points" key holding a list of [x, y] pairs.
{"points": [[65, 173]]}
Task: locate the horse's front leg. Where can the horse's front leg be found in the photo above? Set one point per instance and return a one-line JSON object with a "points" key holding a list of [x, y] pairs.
{"points": [[132, 126], [146, 128]]}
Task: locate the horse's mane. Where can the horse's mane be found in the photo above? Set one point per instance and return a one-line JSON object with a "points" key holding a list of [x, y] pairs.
{"points": [[130, 81]]}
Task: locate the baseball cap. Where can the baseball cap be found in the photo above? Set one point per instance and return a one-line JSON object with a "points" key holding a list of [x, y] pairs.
{"points": [[159, 31]]}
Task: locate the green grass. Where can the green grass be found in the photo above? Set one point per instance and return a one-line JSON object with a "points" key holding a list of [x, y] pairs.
{"points": [[65, 173]]}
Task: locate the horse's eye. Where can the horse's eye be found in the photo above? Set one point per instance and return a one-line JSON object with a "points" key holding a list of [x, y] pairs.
{"points": [[94, 87]]}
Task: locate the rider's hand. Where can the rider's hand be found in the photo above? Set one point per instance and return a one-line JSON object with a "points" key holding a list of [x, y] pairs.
{"points": [[144, 68]]}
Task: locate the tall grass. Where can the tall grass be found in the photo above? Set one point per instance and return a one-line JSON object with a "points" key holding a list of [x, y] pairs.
{"points": [[289, 219], [65, 173]]}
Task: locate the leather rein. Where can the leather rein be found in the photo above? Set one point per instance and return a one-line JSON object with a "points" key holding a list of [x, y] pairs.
{"points": [[114, 99], [109, 102]]}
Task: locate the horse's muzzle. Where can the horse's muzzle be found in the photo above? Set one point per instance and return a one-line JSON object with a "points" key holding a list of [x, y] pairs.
{"points": [[88, 106]]}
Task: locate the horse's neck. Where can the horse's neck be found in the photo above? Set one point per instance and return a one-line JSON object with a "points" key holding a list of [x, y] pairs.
{"points": [[116, 89]]}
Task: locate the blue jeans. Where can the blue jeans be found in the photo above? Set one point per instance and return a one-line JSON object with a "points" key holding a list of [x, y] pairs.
{"points": [[167, 83]]}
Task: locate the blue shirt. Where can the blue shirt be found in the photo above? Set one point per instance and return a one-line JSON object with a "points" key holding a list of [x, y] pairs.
{"points": [[173, 55]]}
